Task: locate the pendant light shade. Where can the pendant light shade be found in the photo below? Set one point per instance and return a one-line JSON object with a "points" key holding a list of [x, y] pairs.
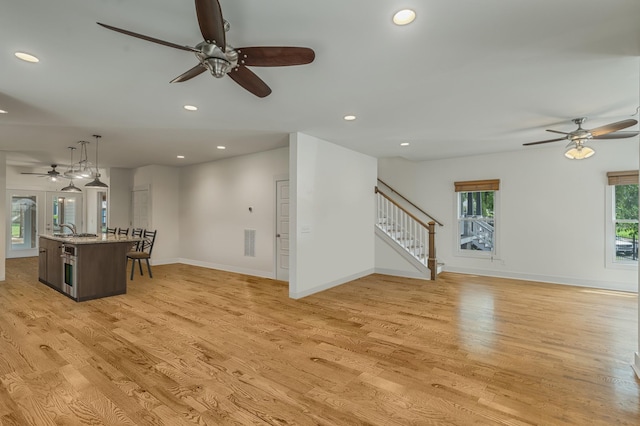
{"points": [[96, 183], [71, 188]]}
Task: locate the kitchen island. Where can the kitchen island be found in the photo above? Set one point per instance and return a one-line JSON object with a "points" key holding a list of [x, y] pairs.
{"points": [[85, 266]]}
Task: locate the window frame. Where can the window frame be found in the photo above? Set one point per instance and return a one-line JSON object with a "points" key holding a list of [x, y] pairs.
{"points": [[492, 185], [614, 179]]}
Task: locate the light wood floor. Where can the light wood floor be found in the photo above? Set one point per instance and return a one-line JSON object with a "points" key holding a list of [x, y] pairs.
{"points": [[198, 346]]}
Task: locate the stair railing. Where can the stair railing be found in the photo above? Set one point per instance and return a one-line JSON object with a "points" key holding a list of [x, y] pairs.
{"points": [[408, 231], [408, 201]]}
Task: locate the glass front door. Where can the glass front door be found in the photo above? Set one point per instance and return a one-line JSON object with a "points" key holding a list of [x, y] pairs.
{"points": [[24, 218], [22, 230]]}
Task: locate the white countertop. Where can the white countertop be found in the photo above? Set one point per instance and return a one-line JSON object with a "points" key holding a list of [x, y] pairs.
{"points": [[100, 239]]}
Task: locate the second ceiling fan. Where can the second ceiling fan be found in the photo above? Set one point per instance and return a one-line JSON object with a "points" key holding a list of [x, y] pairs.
{"points": [[608, 131], [215, 55], [52, 174], [576, 149]]}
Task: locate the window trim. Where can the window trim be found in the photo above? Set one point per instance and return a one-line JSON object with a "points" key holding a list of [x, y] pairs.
{"points": [[616, 178]]}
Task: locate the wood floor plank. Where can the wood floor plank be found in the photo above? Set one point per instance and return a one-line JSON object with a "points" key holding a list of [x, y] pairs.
{"points": [[195, 346]]}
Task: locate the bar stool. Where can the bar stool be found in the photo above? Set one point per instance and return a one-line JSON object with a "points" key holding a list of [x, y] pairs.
{"points": [[142, 251]]}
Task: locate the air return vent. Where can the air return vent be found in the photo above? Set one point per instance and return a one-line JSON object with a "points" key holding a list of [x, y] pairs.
{"points": [[250, 242]]}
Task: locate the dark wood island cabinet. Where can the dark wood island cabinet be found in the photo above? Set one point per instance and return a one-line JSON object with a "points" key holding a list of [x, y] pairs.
{"points": [[85, 267]]}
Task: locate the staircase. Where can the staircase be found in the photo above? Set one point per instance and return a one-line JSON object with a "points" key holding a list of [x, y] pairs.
{"points": [[406, 233]]}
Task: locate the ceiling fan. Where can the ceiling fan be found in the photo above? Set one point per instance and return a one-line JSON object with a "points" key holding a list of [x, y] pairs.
{"points": [[580, 135], [215, 55], [51, 174]]}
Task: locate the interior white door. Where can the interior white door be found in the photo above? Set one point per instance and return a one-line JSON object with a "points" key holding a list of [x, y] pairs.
{"points": [[282, 230]]}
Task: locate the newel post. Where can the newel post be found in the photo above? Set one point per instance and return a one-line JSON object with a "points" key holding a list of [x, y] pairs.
{"points": [[433, 264]]}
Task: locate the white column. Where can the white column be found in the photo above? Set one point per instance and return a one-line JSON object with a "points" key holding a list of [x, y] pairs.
{"points": [[636, 357], [3, 213]]}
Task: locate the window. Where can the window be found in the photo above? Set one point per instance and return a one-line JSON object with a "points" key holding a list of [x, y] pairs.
{"points": [[622, 212], [477, 202]]}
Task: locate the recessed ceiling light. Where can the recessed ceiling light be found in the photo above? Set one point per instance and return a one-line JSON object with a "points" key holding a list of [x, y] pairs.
{"points": [[404, 17], [349, 117], [3, 111], [221, 147], [26, 57], [405, 144], [180, 156], [190, 108]]}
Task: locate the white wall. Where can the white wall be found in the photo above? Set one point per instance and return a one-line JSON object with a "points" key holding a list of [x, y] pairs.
{"points": [[120, 186], [214, 211], [389, 262], [164, 198], [332, 215], [551, 212], [3, 215]]}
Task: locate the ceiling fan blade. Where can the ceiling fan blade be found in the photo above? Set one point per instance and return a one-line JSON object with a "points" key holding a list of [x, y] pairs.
{"points": [[617, 135], [540, 142], [247, 79], [275, 56], [144, 37], [557, 131], [609, 128], [188, 75], [211, 22], [37, 174]]}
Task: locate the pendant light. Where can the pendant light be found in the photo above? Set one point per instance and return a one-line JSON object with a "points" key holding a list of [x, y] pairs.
{"points": [[71, 187], [84, 165], [96, 183]]}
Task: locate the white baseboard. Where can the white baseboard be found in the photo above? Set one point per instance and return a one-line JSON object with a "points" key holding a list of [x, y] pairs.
{"points": [[403, 274], [227, 268], [164, 261], [607, 285], [327, 286], [636, 364]]}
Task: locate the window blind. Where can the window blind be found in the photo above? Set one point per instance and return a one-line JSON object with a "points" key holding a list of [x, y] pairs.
{"points": [[629, 177], [478, 185]]}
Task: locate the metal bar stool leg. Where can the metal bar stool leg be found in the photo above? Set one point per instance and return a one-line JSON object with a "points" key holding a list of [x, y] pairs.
{"points": [[149, 268]]}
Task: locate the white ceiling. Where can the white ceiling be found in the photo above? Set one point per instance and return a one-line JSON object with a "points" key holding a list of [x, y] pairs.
{"points": [[467, 77]]}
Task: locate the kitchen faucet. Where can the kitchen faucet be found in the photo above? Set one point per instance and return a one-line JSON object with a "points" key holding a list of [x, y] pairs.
{"points": [[71, 227]]}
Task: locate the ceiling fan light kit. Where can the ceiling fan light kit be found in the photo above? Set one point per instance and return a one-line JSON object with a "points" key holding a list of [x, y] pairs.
{"points": [[215, 55], [576, 150]]}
